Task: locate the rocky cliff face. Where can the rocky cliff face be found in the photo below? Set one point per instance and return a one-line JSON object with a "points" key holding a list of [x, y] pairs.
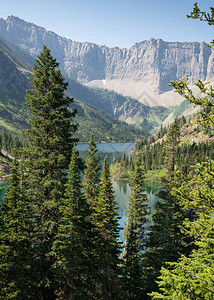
{"points": [[151, 63]]}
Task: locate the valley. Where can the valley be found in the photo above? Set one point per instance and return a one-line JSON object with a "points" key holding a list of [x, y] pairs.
{"points": [[129, 84], [106, 154]]}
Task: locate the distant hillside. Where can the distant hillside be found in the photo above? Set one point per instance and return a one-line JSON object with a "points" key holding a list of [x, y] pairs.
{"points": [[125, 109], [196, 143], [13, 86], [103, 126]]}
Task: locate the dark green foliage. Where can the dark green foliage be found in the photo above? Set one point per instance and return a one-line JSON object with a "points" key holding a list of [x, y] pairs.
{"points": [[16, 273], [99, 195], [191, 277], [172, 140], [47, 156], [108, 249], [165, 241], [74, 245], [135, 235], [91, 175]]}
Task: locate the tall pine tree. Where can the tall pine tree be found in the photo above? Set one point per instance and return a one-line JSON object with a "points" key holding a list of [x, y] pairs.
{"points": [[74, 246], [135, 234], [47, 156], [16, 273], [172, 141], [165, 240], [108, 250], [91, 174]]}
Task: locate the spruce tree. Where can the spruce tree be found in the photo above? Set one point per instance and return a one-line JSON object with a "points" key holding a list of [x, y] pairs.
{"points": [[16, 272], [135, 234], [172, 141], [47, 156], [74, 246], [165, 240], [106, 218], [191, 277], [91, 174]]}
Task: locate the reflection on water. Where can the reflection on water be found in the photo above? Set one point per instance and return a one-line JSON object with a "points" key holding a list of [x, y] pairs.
{"points": [[121, 187], [122, 191]]}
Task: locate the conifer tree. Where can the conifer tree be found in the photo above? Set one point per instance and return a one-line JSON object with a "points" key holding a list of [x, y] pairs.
{"points": [[50, 143], [108, 249], [91, 174], [135, 234], [74, 245], [172, 141], [16, 273], [165, 240], [191, 277]]}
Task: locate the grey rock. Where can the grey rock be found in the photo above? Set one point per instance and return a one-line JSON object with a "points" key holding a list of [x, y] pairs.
{"points": [[153, 63]]}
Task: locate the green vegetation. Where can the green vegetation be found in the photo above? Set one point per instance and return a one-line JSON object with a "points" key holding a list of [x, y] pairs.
{"points": [[59, 233], [179, 109], [103, 126], [191, 276], [154, 151], [47, 225], [135, 233], [124, 108]]}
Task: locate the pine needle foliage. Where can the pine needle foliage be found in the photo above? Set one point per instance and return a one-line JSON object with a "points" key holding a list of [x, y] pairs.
{"points": [[47, 157], [135, 234], [16, 273]]}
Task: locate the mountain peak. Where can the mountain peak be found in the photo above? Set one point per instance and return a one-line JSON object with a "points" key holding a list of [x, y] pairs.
{"points": [[152, 63]]}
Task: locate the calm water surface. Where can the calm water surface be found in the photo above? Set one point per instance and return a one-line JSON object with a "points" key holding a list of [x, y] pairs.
{"points": [[121, 187], [122, 191], [113, 150]]}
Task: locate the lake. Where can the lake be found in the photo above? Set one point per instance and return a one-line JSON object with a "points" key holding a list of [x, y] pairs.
{"points": [[122, 191], [113, 150], [121, 188]]}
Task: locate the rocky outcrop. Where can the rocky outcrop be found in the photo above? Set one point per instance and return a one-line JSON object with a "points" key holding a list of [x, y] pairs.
{"points": [[152, 63]]}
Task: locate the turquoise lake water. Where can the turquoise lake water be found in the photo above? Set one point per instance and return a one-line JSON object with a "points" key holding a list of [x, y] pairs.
{"points": [[121, 187]]}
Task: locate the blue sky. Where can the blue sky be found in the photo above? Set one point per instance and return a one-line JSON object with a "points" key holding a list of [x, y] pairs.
{"points": [[114, 22]]}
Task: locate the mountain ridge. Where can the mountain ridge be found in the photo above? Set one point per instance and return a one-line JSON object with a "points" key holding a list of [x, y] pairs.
{"points": [[13, 117], [152, 63]]}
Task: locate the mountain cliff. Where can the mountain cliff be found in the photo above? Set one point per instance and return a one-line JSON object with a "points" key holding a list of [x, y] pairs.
{"points": [[15, 65], [143, 71]]}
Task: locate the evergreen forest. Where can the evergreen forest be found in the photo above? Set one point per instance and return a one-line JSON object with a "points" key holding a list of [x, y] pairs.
{"points": [[59, 226]]}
